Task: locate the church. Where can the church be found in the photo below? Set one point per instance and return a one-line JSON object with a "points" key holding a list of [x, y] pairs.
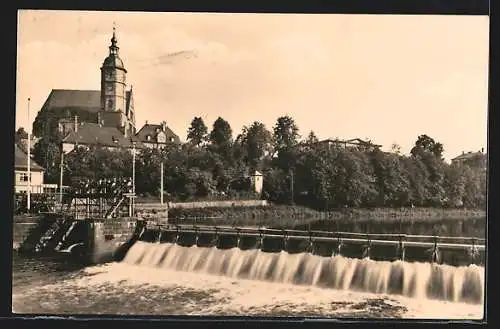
{"points": [[104, 117]]}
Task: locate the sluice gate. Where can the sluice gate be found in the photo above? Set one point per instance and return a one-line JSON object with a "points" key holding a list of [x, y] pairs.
{"points": [[424, 248]]}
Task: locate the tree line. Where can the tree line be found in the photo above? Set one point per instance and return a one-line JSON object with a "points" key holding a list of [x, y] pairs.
{"points": [[211, 164]]}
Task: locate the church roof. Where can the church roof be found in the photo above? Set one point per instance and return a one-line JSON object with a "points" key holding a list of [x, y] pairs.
{"points": [[21, 161], [89, 100], [150, 129], [95, 134]]}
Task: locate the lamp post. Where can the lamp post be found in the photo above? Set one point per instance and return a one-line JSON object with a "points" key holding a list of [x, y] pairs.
{"points": [[28, 192]]}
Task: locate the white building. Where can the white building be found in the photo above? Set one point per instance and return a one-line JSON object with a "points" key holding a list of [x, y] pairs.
{"points": [[21, 182]]}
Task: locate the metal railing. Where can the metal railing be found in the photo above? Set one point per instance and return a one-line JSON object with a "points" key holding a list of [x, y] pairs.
{"points": [[388, 239]]}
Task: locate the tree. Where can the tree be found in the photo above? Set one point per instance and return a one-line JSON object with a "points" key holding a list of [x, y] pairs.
{"points": [[197, 132], [311, 138], [257, 143], [221, 134], [426, 144], [47, 153], [391, 179], [286, 134], [396, 148], [20, 134]]}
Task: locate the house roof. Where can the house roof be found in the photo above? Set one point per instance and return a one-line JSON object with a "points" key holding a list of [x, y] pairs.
{"points": [[349, 141], [21, 161], [150, 129], [95, 134], [468, 155], [89, 100]]}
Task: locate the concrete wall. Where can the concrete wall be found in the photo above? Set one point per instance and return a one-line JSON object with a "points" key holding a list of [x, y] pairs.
{"points": [[116, 229], [219, 204], [22, 226]]}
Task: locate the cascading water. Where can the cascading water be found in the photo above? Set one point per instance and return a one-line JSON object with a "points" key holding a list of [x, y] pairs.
{"points": [[416, 280]]}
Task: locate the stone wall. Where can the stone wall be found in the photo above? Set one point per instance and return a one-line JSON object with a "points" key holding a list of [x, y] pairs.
{"points": [[21, 228], [118, 230]]}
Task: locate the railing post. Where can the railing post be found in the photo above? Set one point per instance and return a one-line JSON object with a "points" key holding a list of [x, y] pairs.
{"points": [[368, 246], [285, 240], [401, 248], [435, 251], [159, 234], [338, 250], [238, 237], [177, 235], [197, 235], [310, 248], [261, 239], [474, 252], [215, 240]]}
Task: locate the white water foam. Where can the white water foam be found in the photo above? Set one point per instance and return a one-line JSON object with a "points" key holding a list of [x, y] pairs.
{"points": [[163, 279], [415, 280], [252, 297]]}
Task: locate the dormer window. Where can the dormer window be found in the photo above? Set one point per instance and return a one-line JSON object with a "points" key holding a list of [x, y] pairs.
{"points": [[160, 137], [148, 137]]}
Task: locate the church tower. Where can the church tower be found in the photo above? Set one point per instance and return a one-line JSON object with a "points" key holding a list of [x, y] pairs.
{"points": [[113, 80]]}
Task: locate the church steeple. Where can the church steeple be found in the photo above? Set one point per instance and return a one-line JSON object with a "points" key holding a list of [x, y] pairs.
{"points": [[113, 49]]}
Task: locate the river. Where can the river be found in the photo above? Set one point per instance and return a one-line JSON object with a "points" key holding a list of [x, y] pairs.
{"points": [[166, 279]]}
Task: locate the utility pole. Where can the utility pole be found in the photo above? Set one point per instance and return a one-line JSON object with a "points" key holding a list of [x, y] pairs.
{"points": [[132, 201], [291, 185], [28, 202], [61, 171], [161, 182]]}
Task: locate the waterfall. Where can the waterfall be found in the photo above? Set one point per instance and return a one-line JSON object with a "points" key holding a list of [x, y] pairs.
{"points": [[415, 280]]}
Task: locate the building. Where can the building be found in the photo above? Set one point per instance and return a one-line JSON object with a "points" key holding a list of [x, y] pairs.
{"points": [[473, 159], [21, 183], [355, 143], [257, 182], [157, 136], [85, 134], [103, 117]]}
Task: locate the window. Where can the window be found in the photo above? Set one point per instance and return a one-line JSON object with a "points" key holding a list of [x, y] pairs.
{"points": [[110, 104], [161, 138], [23, 177]]}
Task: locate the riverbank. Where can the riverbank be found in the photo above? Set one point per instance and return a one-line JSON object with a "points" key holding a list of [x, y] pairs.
{"points": [[454, 222]]}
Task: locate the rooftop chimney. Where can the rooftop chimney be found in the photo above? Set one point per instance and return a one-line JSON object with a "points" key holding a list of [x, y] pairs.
{"points": [[482, 149], [76, 123], [164, 126]]}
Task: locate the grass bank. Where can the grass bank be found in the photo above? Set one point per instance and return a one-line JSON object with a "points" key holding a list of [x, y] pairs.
{"points": [[453, 222]]}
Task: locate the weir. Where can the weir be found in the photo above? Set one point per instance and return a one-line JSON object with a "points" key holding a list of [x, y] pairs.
{"points": [[415, 266], [434, 249], [411, 279]]}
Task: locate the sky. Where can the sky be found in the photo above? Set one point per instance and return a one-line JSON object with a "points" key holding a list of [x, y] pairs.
{"points": [[387, 78]]}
